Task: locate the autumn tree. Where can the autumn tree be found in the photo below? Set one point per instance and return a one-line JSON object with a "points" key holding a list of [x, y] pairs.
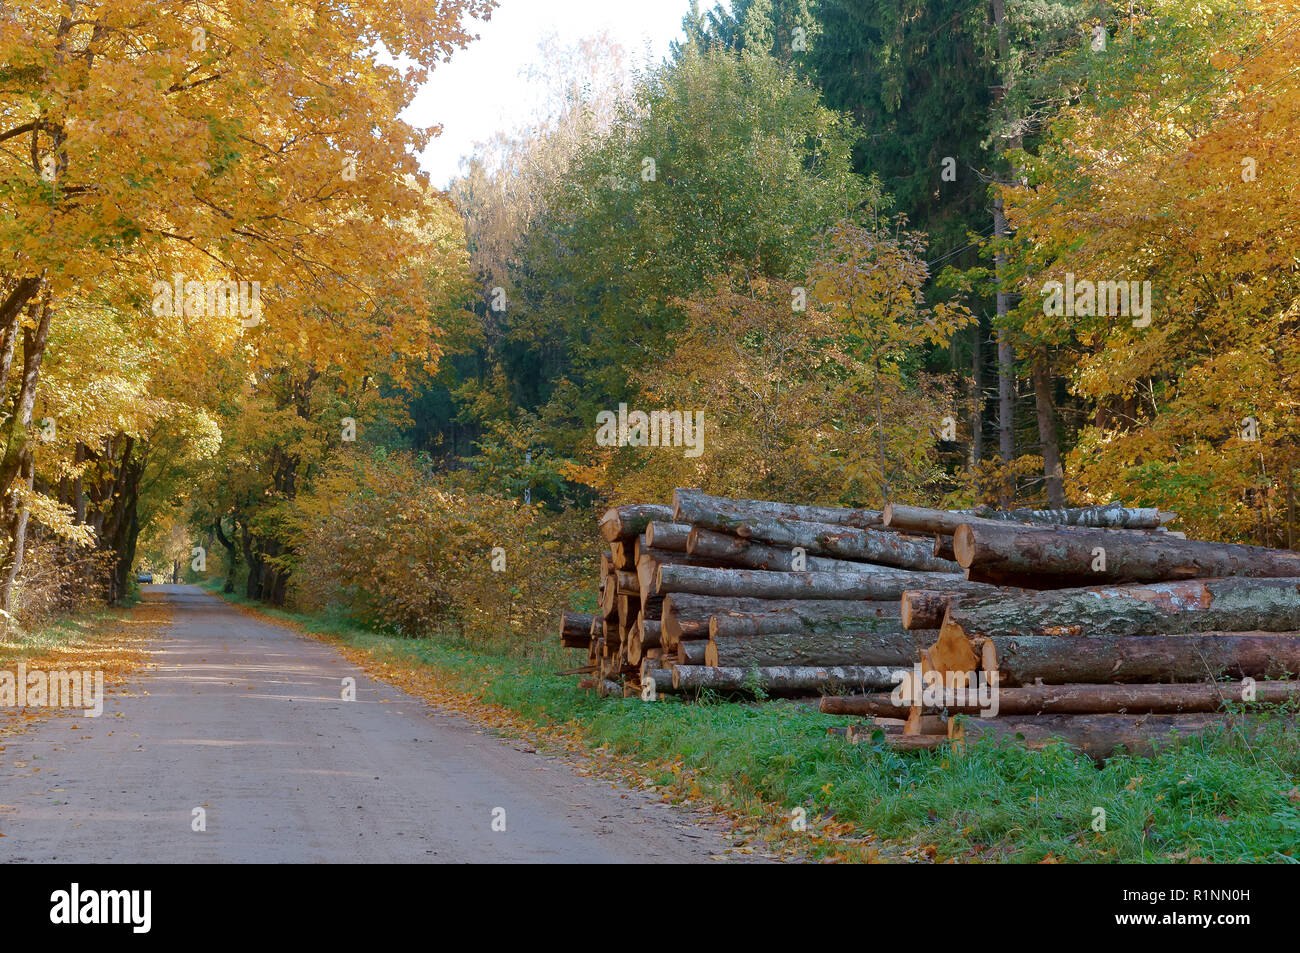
{"points": [[215, 141]]}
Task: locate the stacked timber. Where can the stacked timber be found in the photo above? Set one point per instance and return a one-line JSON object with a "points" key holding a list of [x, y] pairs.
{"points": [[1095, 625], [1178, 633], [746, 596]]}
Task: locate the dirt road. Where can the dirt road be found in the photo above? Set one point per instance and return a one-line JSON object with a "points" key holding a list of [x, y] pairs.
{"points": [[245, 719]]}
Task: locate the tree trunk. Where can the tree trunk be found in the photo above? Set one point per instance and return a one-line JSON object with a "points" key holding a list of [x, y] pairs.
{"points": [[919, 519], [1085, 699], [1145, 658], [977, 400], [759, 584], [732, 550], [1052, 473], [692, 653], [1113, 557], [622, 522], [575, 630], [15, 521], [1006, 355], [888, 647], [781, 678], [847, 542], [1168, 608], [722, 514], [231, 558], [670, 537], [17, 462], [1097, 736], [926, 608], [807, 616]]}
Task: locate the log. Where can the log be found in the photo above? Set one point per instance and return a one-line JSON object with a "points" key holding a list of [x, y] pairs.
{"points": [[628, 609], [661, 676], [925, 608], [692, 653], [1058, 659], [943, 547], [762, 584], [719, 513], [622, 553], [575, 629], [846, 542], [751, 554], [630, 521], [1097, 736], [919, 519], [647, 569], [1127, 558], [896, 647], [780, 678], [1234, 604], [627, 584], [681, 621], [806, 616], [668, 536], [1088, 699], [648, 631], [1109, 515]]}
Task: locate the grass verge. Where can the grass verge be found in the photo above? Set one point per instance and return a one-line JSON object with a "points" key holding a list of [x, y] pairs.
{"points": [[112, 640], [1223, 798]]}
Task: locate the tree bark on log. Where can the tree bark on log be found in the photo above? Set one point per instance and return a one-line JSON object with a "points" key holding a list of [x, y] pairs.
{"points": [[811, 616], [649, 631], [661, 676], [692, 653], [1086, 699], [1061, 659], [623, 522], [1097, 736], [747, 553], [1234, 604], [943, 547], [760, 584], [719, 513], [846, 542], [575, 630], [1113, 557], [920, 519], [926, 608], [896, 647], [781, 678], [667, 536], [1047, 434]]}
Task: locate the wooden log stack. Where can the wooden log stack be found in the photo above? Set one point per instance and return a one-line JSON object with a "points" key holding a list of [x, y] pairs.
{"points": [[1095, 625], [743, 596]]}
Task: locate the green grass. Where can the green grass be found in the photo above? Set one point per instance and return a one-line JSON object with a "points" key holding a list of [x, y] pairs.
{"points": [[1222, 798], [22, 645]]}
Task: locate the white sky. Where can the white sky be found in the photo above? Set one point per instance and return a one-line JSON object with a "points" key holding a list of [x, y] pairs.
{"points": [[481, 91]]}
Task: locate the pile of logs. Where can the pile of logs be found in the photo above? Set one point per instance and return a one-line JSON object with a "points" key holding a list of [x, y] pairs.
{"points": [[1092, 624]]}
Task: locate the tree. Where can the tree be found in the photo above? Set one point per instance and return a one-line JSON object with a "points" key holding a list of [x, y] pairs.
{"points": [[227, 164]]}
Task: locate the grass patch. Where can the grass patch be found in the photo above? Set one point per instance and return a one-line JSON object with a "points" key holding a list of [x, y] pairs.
{"points": [[1223, 798], [111, 640]]}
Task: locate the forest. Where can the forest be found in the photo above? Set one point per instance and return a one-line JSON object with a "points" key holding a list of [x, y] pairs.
{"points": [[850, 252]]}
